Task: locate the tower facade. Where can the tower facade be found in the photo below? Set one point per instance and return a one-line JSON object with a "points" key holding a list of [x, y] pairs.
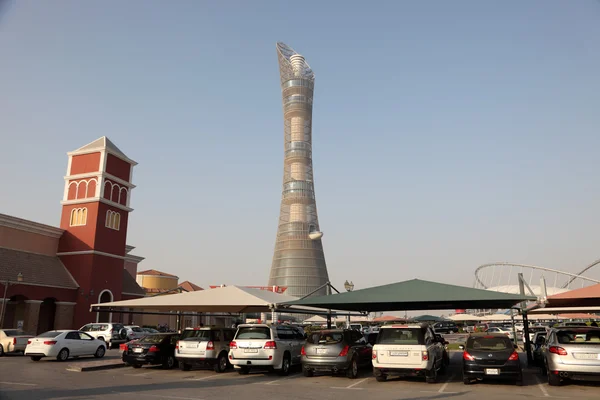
{"points": [[298, 261], [95, 211]]}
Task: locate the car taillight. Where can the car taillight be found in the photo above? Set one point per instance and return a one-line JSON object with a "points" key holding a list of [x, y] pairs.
{"points": [[557, 350], [14, 341], [514, 356], [270, 345], [468, 357], [210, 346], [233, 345], [177, 345], [50, 342], [374, 354], [302, 352], [344, 351], [29, 342], [153, 349], [425, 356]]}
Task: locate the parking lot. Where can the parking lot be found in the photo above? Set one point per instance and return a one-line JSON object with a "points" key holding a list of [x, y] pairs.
{"points": [[21, 379]]}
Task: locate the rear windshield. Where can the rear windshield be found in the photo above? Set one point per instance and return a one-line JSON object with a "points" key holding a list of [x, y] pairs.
{"points": [[154, 339], [196, 335], [489, 343], [326, 338], [137, 329], [13, 332], [50, 334], [579, 336], [260, 332], [400, 336]]}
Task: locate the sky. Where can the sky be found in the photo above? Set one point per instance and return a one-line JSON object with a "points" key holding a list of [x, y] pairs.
{"points": [[446, 135]]}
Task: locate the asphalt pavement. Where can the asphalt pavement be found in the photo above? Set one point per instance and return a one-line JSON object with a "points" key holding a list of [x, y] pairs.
{"points": [[22, 379]]}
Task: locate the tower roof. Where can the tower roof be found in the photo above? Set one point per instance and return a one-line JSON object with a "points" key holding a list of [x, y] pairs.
{"points": [[100, 144], [286, 55]]}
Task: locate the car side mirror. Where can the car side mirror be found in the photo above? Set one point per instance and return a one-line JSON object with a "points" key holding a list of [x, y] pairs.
{"points": [[460, 346]]}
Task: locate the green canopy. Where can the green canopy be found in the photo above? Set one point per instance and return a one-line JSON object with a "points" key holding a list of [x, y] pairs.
{"points": [[415, 294]]}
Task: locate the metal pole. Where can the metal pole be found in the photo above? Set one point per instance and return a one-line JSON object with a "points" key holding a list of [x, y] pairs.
{"points": [[4, 303], [512, 320], [525, 322]]}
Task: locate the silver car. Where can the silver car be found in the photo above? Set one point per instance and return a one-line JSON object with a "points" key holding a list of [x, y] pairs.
{"points": [[334, 351], [571, 353]]}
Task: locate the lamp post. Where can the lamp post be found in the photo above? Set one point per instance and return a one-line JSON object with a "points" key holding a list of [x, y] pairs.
{"points": [[7, 283], [349, 286]]}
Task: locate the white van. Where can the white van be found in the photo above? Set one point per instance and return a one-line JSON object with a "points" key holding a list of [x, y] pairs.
{"points": [[408, 350]]}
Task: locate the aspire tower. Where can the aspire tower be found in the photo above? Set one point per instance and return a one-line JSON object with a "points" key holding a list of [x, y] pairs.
{"points": [[298, 261]]}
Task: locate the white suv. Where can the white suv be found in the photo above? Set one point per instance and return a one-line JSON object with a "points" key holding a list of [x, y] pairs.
{"points": [[205, 347], [109, 332], [262, 346], [408, 350]]}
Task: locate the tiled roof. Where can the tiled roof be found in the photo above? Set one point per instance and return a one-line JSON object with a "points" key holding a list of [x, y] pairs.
{"points": [[130, 286], [37, 269], [99, 144], [156, 273], [189, 286]]}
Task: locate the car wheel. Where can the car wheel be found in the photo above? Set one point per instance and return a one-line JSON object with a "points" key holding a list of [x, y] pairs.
{"points": [[381, 378], [185, 367], [466, 380], [100, 351], [63, 354], [553, 380], [352, 371], [285, 365], [307, 372], [221, 365], [243, 370], [169, 362], [137, 365], [1, 350], [432, 376], [36, 358]]}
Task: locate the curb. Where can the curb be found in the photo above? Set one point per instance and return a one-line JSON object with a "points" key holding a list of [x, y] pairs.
{"points": [[83, 368]]}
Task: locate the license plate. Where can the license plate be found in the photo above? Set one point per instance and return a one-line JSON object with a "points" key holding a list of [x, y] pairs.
{"points": [[492, 371], [399, 353], [321, 351], [588, 356], [138, 350], [250, 350]]}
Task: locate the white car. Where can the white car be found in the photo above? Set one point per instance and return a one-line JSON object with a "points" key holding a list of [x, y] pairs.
{"points": [[134, 332], [503, 331], [64, 344], [12, 341]]}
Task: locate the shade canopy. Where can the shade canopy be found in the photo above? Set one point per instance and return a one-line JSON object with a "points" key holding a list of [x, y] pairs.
{"points": [[427, 318], [495, 317], [565, 310], [414, 294], [464, 317], [584, 297], [232, 299], [389, 318]]}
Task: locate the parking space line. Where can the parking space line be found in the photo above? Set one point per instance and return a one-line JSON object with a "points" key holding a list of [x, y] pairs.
{"points": [[143, 373], [541, 386], [352, 386], [357, 383], [18, 384], [445, 385], [172, 397], [210, 377], [283, 379]]}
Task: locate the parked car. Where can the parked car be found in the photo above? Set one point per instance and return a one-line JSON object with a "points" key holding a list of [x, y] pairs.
{"points": [[111, 333], [336, 350], [356, 327], [156, 349], [445, 327], [64, 344], [134, 332], [13, 341], [488, 356], [408, 350], [571, 353], [263, 346], [205, 347], [502, 331], [539, 338], [534, 329], [150, 330]]}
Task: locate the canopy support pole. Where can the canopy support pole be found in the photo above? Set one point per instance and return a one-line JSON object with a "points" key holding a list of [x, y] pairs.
{"points": [[522, 285]]}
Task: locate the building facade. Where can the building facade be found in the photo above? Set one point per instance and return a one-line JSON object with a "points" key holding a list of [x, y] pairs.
{"points": [[52, 275], [298, 260]]}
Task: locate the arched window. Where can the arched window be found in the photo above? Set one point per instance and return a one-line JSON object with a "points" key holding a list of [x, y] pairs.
{"points": [[78, 217], [113, 220]]}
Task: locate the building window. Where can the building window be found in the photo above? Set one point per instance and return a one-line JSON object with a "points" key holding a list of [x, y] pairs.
{"points": [[113, 220], [78, 216]]}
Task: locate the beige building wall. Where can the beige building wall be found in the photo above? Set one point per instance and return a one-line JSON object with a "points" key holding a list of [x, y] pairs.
{"points": [[17, 239], [157, 282]]}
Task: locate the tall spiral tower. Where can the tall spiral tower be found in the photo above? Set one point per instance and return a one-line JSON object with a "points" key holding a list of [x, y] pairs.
{"points": [[298, 261]]}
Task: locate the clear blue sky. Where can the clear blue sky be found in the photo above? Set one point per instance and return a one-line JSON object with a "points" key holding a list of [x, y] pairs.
{"points": [[446, 134]]}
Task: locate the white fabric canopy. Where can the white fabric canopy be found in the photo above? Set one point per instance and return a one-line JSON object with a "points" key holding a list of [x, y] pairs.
{"points": [[233, 299], [464, 317], [495, 317], [317, 319]]}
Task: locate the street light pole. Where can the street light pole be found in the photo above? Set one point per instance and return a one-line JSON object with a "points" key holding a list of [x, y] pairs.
{"points": [[6, 285]]}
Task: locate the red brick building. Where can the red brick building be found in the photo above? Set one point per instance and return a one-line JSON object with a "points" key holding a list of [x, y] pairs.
{"points": [[55, 274]]}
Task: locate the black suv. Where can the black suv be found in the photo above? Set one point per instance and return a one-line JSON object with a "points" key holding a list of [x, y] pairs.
{"points": [[445, 327]]}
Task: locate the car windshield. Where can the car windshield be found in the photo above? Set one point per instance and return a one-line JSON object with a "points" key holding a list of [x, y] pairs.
{"points": [[49, 334], [326, 338], [489, 343], [13, 332], [137, 329], [196, 335], [579, 336], [154, 339], [259, 332], [400, 336]]}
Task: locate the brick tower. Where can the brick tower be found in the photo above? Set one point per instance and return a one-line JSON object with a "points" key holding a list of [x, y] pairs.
{"points": [[95, 210]]}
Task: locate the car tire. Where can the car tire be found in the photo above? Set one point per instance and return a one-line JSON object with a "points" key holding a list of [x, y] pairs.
{"points": [[170, 362], [221, 364], [100, 351], [381, 378], [554, 380], [286, 364], [307, 372], [519, 381], [137, 365], [36, 358], [63, 354], [352, 371], [244, 370], [466, 380], [185, 367], [432, 376], [1, 350]]}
